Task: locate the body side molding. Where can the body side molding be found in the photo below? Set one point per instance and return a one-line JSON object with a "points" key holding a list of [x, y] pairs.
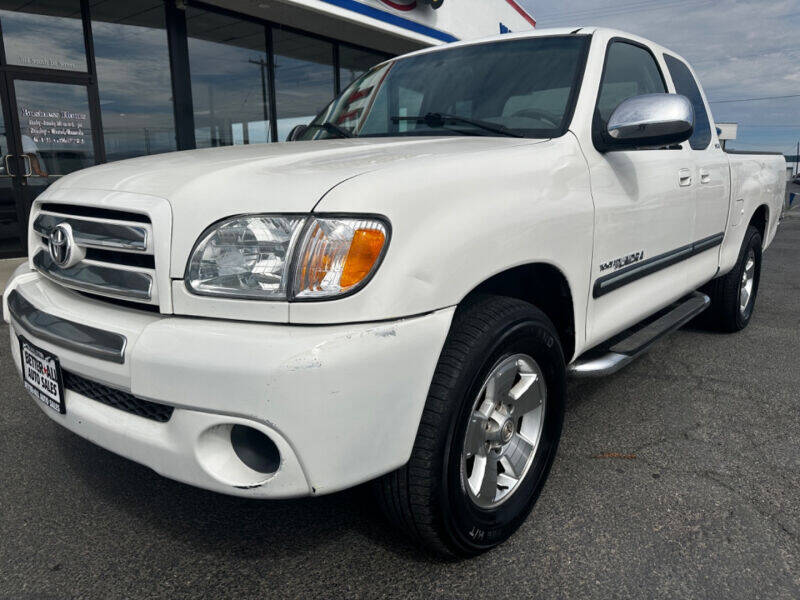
{"points": [[614, 281]]}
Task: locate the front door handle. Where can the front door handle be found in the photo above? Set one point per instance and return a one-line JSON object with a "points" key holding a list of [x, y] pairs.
{"points": [[685, 176], [26, 162], [7, 163], [705, 176]]}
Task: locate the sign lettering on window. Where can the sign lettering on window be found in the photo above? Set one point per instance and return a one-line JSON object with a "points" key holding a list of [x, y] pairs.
{"points": [[47, 62], [55, 127]]}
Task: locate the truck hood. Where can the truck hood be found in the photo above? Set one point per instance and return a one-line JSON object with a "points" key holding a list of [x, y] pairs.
{"points": [[204, 186], [265, 177]]}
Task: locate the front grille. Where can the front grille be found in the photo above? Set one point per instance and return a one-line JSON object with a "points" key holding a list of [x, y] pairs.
{"points": [[108, 253], [128, 259], [96, 213], [116, 398]]}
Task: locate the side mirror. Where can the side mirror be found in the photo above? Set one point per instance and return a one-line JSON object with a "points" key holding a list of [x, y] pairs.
{"points": [[650, 120], [296, 132]]}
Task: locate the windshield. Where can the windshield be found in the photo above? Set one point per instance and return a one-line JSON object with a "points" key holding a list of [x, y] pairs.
{"points": [[519, 88]]}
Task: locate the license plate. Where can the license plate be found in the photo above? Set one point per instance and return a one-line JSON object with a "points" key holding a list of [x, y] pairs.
{"points": [[41, 375]]}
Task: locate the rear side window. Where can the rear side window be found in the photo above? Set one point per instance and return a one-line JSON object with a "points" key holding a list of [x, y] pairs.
{"points": [[686, 85], [630, 71]]}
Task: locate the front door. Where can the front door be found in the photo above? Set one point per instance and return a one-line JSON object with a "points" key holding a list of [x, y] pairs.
{"points": [[644, 207], [48, 133]]}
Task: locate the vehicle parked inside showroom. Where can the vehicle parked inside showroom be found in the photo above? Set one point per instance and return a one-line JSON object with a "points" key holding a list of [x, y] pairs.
{"points": [[401, 294]]}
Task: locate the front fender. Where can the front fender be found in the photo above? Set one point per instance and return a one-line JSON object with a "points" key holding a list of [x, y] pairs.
{"points": [[458, 222]]}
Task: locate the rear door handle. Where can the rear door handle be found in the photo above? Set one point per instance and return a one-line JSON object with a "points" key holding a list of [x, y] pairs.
{"points": [[685, 176], [705, 176], [26, 162]]}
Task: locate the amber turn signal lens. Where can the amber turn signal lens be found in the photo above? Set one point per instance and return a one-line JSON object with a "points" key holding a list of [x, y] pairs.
{"points": [[337, 255], [364, 251]]}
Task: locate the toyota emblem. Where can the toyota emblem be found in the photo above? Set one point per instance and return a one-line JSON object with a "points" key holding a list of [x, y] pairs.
{"points": [[61, 244]]}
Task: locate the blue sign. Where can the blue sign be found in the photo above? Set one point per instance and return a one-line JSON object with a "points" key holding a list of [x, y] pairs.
{"points": [[392, 19]]}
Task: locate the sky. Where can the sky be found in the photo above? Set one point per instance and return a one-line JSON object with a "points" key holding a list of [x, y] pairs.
{"points": [[740, 49]]}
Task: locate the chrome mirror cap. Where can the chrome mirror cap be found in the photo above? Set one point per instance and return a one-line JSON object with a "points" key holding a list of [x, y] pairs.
{"points": [[651, 120]]}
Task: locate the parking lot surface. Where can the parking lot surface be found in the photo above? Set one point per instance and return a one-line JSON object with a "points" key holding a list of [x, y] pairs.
{"points": [[677, 477]]}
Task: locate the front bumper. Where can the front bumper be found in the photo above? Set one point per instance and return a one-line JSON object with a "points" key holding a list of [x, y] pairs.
{"points": [[341, 403]]}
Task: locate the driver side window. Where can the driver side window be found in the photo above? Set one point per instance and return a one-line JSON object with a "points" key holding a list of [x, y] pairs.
{"points": [[630, 71]]}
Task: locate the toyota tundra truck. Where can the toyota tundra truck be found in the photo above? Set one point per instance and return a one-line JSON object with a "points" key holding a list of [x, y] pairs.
{"points": [[399, 294]]}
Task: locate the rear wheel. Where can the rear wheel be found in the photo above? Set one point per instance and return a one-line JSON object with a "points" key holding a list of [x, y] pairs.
{"points": [[733, 296], [488, 434]]}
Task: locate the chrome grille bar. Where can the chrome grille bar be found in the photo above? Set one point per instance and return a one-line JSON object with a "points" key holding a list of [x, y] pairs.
{"points": [[91, 277], [96, 233], [100, 250]]}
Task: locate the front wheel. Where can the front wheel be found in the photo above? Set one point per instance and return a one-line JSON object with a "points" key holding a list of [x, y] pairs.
{"points": [[488, 434]]}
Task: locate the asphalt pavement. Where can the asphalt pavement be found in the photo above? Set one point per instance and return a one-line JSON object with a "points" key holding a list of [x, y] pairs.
{"points": [[792, 195], [679, 477], [7, 266]]}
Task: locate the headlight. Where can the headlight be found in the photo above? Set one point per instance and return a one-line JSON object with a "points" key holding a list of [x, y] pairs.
{"points": [[244, 257], [257, 257]]}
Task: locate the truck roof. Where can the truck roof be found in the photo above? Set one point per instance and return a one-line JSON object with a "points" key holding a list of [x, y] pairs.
{"points": [[577, 30]]}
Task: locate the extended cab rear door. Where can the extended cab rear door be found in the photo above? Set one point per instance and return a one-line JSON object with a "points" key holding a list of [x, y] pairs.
{"points": [[644, 204], [711, 172]]}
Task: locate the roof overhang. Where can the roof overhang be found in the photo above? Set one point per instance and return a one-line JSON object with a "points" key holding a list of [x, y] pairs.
{"points": [[394, 26]]}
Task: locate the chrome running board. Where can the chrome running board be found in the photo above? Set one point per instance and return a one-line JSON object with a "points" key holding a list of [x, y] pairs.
{"points": [[621, 350]]}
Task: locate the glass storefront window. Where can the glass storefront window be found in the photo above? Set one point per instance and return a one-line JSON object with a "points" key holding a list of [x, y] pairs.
{"points": [[304, 78], [251, 82], [133, 73], [354, 62], [55, 126], [229, 69], [9, 221], [46, 34]]}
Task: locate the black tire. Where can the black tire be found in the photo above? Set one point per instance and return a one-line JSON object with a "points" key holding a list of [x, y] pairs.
{"points": [[725, 313], [426, 498]]}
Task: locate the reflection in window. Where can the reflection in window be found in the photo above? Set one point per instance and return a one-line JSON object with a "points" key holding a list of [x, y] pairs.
{"points": [[55, 127], [9, 224], [303, 78], [686, 85], [133, 74], [630, 71], [44, 33], [523, 85], [4, 151], [228, 64], [353, 63]]}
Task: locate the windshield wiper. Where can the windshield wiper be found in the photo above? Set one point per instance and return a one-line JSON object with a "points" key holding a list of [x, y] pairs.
{"points": [[438, 120], [331, 128]]}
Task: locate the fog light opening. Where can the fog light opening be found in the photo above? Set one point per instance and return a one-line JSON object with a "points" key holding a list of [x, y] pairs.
{"points": [[255, 449]]}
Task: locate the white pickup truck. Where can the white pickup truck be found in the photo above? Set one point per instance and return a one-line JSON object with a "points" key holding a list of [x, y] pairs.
{"points": [[401, 293]]}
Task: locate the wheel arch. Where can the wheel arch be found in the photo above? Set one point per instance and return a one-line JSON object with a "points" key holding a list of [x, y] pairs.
{"points": [[543, 285], [760, 220]]}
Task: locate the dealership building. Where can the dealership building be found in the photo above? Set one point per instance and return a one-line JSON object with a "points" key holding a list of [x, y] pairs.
{"points": [[90, 81]]}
